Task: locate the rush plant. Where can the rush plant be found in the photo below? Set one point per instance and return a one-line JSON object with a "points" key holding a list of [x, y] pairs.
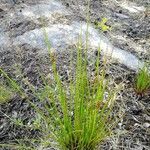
{"points": [[76, 117]]}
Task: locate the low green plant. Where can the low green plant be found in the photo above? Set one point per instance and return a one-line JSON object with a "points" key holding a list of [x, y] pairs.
{"points": [[102, 25], [142, 82]]}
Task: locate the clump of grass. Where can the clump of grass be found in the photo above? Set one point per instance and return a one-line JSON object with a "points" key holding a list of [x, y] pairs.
{"points": [[76, 117], [142, 82], [5, 94]]}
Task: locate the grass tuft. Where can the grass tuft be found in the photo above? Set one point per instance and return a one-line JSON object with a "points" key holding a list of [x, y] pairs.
{"points": [[142, 83], [76, 117]]}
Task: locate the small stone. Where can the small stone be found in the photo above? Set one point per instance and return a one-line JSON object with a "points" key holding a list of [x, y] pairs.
{"points": [[137, 25], [120, 125], [147, 118], [146, 125], [14, 114], [121, 16]]}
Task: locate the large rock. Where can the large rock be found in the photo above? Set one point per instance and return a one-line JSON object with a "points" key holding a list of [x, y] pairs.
{"points": [[54, 18]]}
